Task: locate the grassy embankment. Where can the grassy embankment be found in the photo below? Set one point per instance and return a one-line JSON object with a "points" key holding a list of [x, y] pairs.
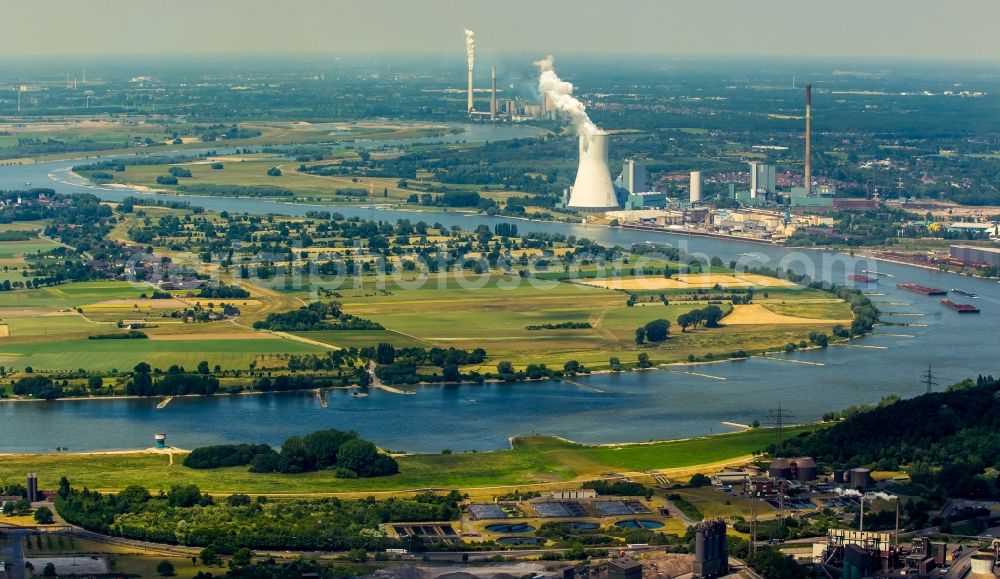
{"points": [[545, 461]]}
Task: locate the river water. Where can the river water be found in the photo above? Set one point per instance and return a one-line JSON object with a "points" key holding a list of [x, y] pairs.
{"points": [[634, 406]]}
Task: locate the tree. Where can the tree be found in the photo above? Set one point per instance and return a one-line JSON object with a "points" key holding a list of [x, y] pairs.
{"points": [[712, 315], [357, 455], [644, 360], [615, 363], [241, 558], [274, 172], [50, 570], [385, 353], [43, 516], [505, 367], [640, 335], [209, 556], [165, 568], [657, 330], [203, 367], [324, 445], [684, 320], [95, 383]]}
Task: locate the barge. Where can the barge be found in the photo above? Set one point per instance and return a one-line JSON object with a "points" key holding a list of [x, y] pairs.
{"points": [[961, 308], [922, 289], [862, 278]]}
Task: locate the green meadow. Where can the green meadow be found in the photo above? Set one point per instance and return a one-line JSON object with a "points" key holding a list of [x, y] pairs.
{"points": [[533, 460]]}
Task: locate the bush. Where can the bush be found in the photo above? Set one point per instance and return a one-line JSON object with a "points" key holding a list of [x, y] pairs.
{"points": [[166, 180], [165, 568], [223, 455]]}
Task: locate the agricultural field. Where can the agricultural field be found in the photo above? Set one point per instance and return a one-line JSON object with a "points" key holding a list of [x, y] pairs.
{"points": [[108, 355], [251, 171], [532, 461], [438, 314]]}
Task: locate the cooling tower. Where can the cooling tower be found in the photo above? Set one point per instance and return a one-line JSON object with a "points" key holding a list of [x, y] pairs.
{"points": [[593, 190], [695, 187]]}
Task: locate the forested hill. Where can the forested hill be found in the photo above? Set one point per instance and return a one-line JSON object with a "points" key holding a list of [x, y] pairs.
{"points": [[945, 440]]}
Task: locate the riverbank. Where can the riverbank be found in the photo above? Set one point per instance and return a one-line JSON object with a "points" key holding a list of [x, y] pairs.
{"points": [[549, 462]]}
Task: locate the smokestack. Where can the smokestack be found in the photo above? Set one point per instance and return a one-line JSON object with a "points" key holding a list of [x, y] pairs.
{"points": [[493, 96], [695, 187], [593, 190], [470, 56], [808, 177]]}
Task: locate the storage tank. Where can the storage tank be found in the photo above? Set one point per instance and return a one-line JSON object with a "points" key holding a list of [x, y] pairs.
{"points": [[780, 468], [160, 440], [982, 564], [593, 189], [807, 469], [860, 478]]}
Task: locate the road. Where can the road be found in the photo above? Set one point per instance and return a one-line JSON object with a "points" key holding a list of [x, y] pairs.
{"points": [[14, 552]]}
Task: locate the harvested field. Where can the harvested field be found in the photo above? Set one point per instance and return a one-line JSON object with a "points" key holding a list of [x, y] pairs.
{"points": [[756, 314], [165, 304], [214, 336], [692, 281]]}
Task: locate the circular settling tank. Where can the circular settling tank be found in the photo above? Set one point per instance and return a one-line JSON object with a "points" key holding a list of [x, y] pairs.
{"points": [[639, 524], [505, 528]]}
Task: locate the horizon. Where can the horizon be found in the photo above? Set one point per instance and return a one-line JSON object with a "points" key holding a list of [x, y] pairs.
{"points": [[781, 28]]}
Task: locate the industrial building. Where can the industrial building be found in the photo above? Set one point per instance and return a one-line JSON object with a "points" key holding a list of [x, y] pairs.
{"points": [[976, 256], [711, 559], [762, 180], [633, 176]]}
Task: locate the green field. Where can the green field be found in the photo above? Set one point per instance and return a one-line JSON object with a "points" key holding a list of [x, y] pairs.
{"points": [[485, 313], [532, 461], [123, 355], [71, 295], [13, 249]]}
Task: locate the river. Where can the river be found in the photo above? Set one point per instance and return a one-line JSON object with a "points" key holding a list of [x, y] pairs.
{"points": [[634, 406]]}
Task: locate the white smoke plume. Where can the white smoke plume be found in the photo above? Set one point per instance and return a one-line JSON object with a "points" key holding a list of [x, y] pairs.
{"points": [[847, 492], [869, 495], [470, 47], [560, 93]]}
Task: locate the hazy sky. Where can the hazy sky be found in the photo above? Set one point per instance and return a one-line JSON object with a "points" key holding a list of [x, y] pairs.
{"points": [[965, 29]]}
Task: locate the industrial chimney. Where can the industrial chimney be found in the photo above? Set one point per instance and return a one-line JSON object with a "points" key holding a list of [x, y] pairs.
{"points": [[695, 187], [593, 190], [808, 176], [493, 96], [470, 107]]}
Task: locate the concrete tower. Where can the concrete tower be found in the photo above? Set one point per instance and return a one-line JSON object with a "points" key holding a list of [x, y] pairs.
{"points": [[695, 187], [754, 184], [493, 95], [808, 176], [471, 106], [593, 189]]}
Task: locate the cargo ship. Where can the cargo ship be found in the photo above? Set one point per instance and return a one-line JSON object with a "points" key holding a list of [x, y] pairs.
{"points": [[964, 293], [876, 273], [862, 278], [922, 289], [961, 308]]}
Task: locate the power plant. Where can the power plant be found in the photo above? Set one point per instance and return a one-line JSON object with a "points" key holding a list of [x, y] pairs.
{"points": [[593, 190]]}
